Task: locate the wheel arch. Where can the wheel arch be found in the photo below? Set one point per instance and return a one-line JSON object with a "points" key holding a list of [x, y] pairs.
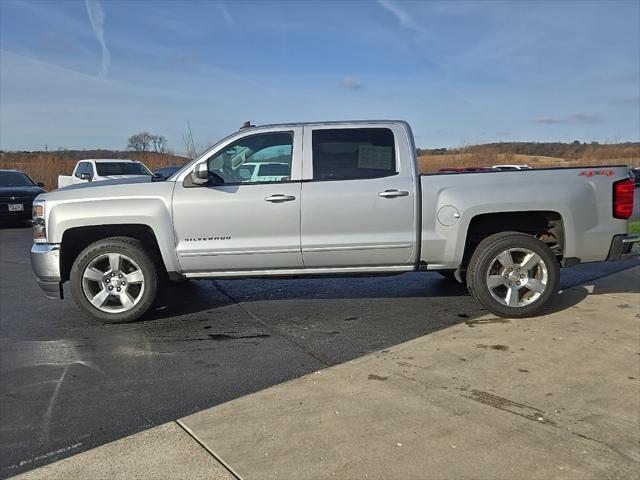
{"points": [[545, 225], [76, 239]]}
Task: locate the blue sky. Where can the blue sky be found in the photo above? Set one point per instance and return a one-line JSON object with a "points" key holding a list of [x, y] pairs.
{"points": [[79, 74]]}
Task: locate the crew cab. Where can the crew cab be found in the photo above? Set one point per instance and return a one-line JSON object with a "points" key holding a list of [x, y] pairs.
{"points": [[352, 202], [103, 169]]}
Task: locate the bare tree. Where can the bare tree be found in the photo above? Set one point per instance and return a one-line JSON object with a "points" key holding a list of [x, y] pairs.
{"points": [[140, 142], [159, 143], [145, 141]]}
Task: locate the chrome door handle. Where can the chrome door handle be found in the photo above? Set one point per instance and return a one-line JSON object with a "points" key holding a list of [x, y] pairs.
{"points": [[393, 193], [280, 198]]}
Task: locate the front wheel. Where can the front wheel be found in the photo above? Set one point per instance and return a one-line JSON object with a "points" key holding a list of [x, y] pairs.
{"points": [[114, 280], [513, 275]]}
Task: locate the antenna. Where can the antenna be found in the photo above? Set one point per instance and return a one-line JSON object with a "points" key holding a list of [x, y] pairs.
{"points": [[191, 147], [246, 124]]}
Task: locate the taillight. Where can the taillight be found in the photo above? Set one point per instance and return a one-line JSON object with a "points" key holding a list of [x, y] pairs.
{"points": [[623, 198]]}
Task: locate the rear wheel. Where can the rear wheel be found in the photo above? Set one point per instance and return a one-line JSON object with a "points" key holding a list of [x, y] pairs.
{"points": [[513, 275], [114, 280]]}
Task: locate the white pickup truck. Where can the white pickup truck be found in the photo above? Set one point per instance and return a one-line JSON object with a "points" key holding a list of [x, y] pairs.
{"points": [[91, 170], [350, 201]]}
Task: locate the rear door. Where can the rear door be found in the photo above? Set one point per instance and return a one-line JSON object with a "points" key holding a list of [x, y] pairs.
{"points": [[358, 197]]}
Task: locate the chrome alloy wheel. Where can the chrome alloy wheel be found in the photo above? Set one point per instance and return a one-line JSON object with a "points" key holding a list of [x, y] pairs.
{"points": [[113, 283], [517, 277]]}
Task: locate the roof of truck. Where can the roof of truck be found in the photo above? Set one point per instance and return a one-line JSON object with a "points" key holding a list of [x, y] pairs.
{"points": [[104, 160], [332, 122]]}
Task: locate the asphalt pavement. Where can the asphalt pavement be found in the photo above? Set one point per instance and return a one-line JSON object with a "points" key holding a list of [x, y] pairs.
{"points": [[69, 384]]}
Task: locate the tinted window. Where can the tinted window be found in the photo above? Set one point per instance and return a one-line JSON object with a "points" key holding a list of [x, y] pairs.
{"points": [[256, 151], [352, 153], [271, 169], [121, 168], [15, 179]]}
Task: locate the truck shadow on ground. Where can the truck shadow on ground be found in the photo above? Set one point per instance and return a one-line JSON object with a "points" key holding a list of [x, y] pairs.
{"points": [[196, 296]]}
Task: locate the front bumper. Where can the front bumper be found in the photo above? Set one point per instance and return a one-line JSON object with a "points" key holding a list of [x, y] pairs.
{"points": [[621, 246], [45, 261], [7, 216]]}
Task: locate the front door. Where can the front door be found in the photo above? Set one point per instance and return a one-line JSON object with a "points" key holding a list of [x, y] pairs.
{"points": [[248, 216]]}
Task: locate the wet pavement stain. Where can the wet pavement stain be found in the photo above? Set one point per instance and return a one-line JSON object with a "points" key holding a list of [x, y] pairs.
{"points": [[523, 370], [373, 376], [502, 348], [504, 404], [223, 336], [624, 305], [473, 323]]}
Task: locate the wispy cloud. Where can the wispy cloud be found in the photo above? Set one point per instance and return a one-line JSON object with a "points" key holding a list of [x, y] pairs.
{"points": [[574, 118], [226, 15], [628, 101], [351, 82], [96, 17], [404, 18]]}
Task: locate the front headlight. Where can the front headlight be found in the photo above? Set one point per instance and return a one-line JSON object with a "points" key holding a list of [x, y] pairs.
{"points": [[39, 223]]}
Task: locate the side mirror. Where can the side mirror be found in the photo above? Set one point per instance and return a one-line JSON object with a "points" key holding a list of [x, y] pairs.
{"points": [[200, 175], [85, 176], [40, 184]]}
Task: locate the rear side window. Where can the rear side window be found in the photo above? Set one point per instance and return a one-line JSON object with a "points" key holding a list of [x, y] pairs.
{"points": [[274, 169], [121, 168], [353, 153]]}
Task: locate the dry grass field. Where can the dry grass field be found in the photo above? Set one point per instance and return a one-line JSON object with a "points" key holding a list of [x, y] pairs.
{"points": [[46, 166], [432, 163]]}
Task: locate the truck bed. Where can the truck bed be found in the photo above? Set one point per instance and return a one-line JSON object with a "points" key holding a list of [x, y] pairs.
{"points": [[581, 196]]}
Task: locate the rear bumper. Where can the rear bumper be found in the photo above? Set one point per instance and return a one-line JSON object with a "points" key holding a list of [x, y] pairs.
{"points": [[621, 246], [45, 261]]}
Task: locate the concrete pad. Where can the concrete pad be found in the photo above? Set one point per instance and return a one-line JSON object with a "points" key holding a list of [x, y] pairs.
{"points": [[556, 396], [164, 452]]}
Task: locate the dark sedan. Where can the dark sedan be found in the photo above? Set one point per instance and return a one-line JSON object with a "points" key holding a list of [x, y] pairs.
{"points": [[17, 192], [165, 172]]}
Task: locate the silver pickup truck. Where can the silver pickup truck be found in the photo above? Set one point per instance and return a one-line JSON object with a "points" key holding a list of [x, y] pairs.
{"points": [[351, 202]]}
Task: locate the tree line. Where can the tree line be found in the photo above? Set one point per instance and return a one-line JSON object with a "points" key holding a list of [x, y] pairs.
{"points": [[571, 150]]}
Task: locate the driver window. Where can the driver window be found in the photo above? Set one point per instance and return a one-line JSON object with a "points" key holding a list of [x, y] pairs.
{"points": [[265, 157]]}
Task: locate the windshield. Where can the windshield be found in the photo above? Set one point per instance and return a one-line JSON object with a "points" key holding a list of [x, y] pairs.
{"points": [[15, 179], [106, 169]]}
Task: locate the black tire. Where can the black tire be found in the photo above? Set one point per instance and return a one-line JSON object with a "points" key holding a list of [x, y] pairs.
{"points": [[131, 249], [530, 302]]}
